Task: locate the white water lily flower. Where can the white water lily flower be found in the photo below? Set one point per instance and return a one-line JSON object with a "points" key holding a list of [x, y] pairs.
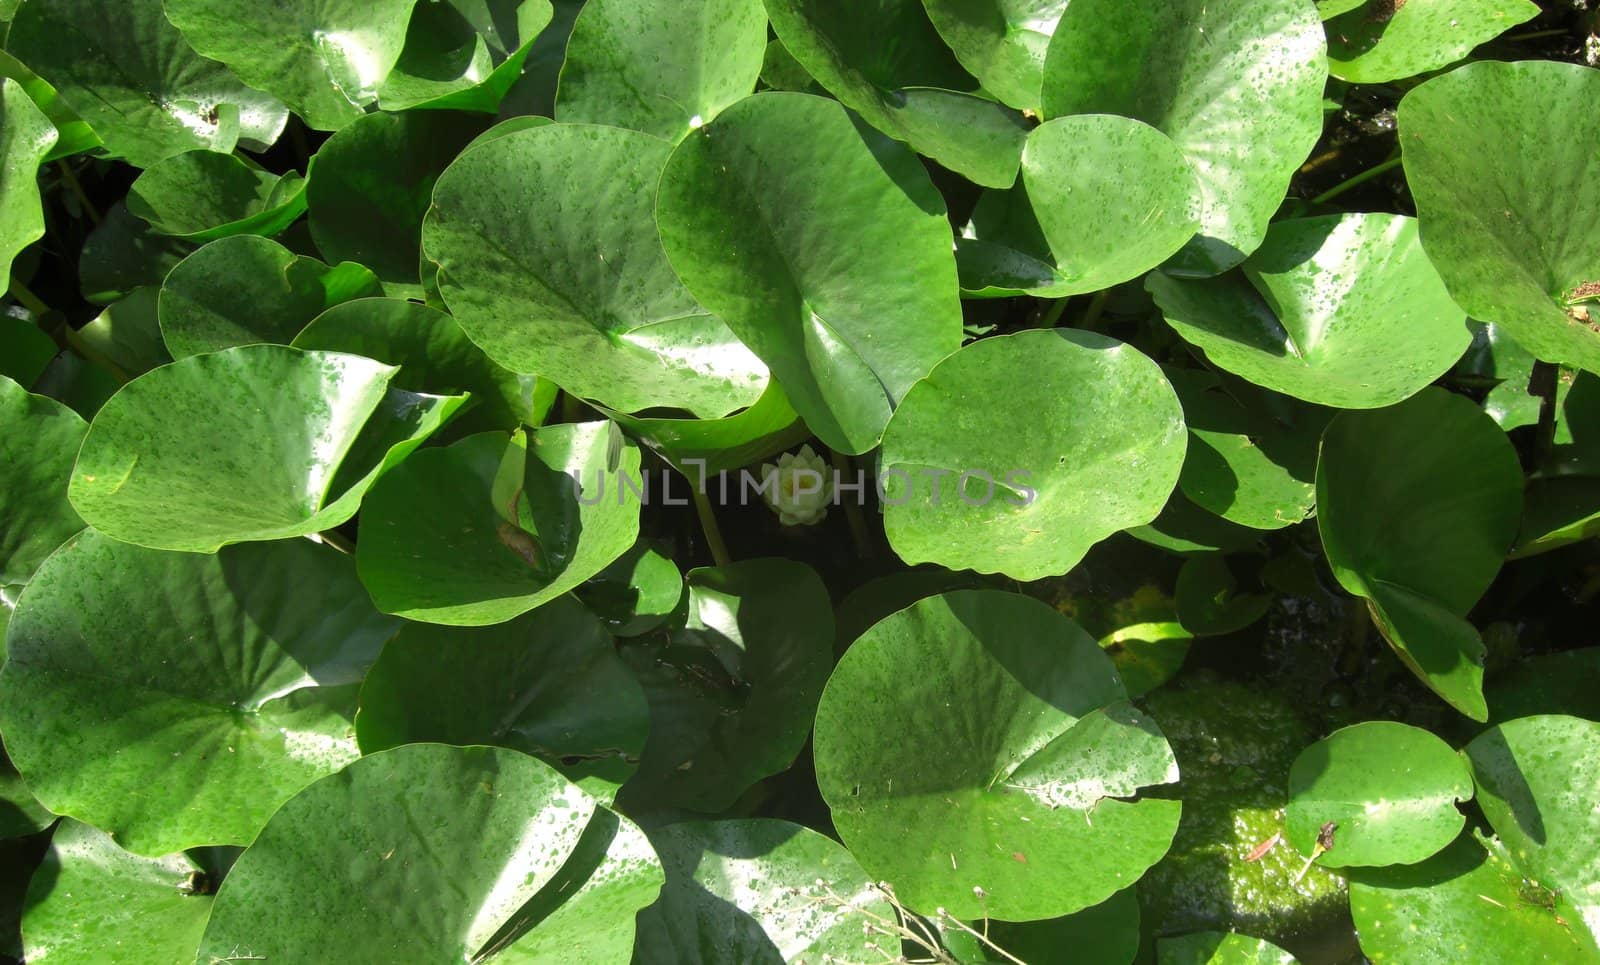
{"points": [[801, 487]]}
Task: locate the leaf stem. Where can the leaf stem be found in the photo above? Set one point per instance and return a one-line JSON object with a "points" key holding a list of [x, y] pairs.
{"points": [[77, 189], [1356, 181], [337, 541], [1097, 305], [708, 525], [28, 299], [1051, 315], [852, 508]]}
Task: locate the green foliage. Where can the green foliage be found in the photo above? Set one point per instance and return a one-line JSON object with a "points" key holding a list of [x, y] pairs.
{"points": [[758, 481]]}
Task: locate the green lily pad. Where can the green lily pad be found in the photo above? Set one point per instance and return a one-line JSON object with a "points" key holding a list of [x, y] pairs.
{"points": [[189, 456], [27, 350], [538, 870], [433, 355], [203, 195], [1220, 948], [463, 54], [548, 684], [1237, 86], [371, 184], [73, 135], [577, 288], [325, 58], [1465, 903], [1114, 197], [1107, 933], [635, 594], [733, 685], [753, 211], [89, 897], [1029, 499], [1003, 42], [175, 699], [1208, 599], [123, 254], [664, 67], [1417, 505], [1552, 683], [1018, 715], [126, 338], [246, 290], [1504, 235], [1001, 251], [126, 70], [1385, 40], [1342, 311], [1390, 789], [507, 527], [912, 89], [26, 136], [37, 448], [810, 904], [21, 814], [1536, 778], [694, 446]]}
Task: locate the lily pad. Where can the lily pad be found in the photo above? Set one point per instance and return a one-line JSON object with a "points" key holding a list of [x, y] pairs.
{"points": [[247, 290], [1114, 197], [1209, 602], [27, 350], [371, 184], [123, 254], [1390, 790], [325, 58], [289, 448], [1341, 311], [203, 195], [1018, 715], [1003, 42], [433, 355], [732, 685], [1220, 948], [513, 522], [463, 54], [912, 90], [89, 897], [37, 449], [664, 67], [548, 684], [26, 136], [635, 594], [810, 905], [1237, 86], [126, 70], [126, 338], [1535, 781], [538, 870], [1385, 40], [21, 814], [1029, 499], [1417, 505], [1500, 227], [1107, 933], [174, 699], [73, 135], [576, 288], [755, 209], [695, 446]]}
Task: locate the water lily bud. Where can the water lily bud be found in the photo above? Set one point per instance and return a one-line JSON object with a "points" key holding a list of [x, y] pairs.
{"points": [[802, 488]]}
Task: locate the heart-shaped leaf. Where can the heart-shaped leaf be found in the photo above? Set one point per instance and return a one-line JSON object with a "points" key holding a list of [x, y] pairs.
{"points": [[1342, 311], [811, 904], [126, 70], [538, 870], [1208, 599], [1417, 505], [512, 523], [755, 211], [733, 685], [463, 54], [26, 136], [289, 448], [548, 683], [711, 446], [1502, 227], [1389, 789], [356, 215], [38, 444], [1029, 499], [1220, 948], [88, 890], [1013, 799], [325, 58], [1113, 196], [1238, 87], [176, 699], [636, 593], [246, 290], [664, 67], [1003, 42], [203, 195], [912, 90], [577, 289], [1385, 40]]}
